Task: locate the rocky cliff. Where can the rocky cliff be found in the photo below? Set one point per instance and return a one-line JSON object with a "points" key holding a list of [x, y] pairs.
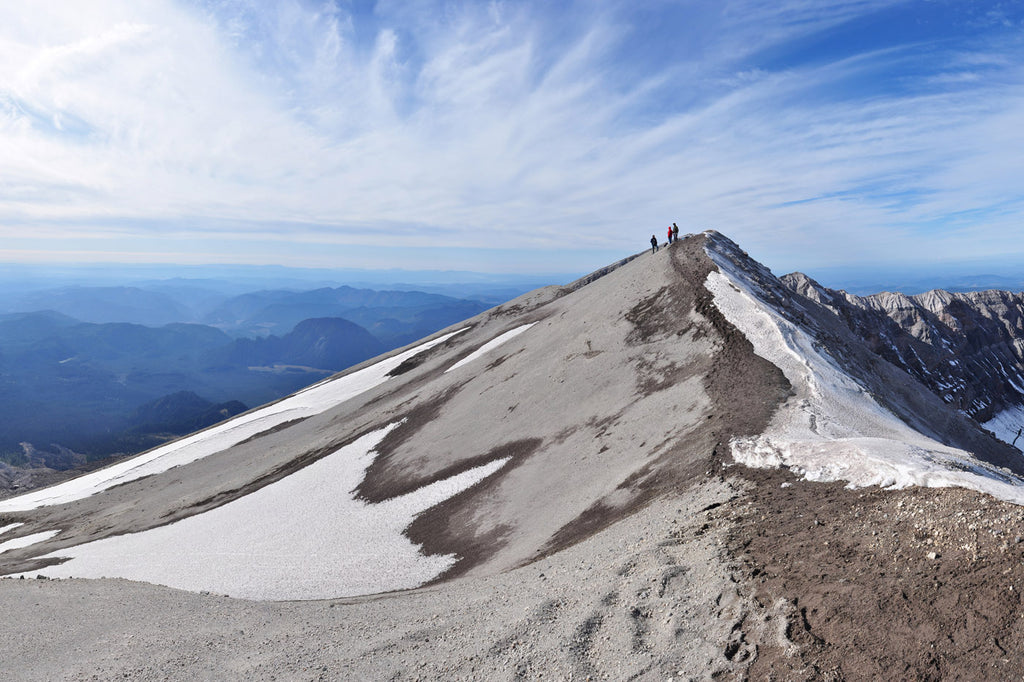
{"points": [[968, 348]]}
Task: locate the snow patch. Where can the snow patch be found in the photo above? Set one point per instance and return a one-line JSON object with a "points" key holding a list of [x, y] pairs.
{"points": [[303, 537], [490, 345], [18, 543], [307, 402], [1006, 425], [832, 429], [12, 526]]}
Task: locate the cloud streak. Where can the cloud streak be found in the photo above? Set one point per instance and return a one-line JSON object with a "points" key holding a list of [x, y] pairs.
{"points": [[789, 125]]}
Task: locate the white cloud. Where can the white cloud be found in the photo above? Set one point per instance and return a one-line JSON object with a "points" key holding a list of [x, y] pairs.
{"points": [[494, 124]]}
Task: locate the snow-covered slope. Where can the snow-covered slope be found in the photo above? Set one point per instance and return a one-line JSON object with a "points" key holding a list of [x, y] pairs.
{"points": [[833, 428], [342, 547]]}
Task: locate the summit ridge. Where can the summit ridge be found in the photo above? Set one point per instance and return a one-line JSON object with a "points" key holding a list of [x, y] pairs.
{"points": [[555, 487]]}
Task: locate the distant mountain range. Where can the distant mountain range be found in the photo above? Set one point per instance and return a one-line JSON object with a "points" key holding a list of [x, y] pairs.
{"points": [[99, 371], [108, 304], [911, 281], [322, 343], [965, 346], [393, 317]]}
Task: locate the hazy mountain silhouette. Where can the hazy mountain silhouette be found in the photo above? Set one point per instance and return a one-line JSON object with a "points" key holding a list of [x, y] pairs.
{"points": [[328, 343], [75, 372], [395, 317], [107, 304]]}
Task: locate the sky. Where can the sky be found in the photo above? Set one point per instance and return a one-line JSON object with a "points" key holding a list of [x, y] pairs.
{"points": [[548, 136]]}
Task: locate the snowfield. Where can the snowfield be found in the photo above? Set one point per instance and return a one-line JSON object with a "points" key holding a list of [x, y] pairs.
{"points": [[489, 346], [310, 401], [832, 429], [303, 537]]}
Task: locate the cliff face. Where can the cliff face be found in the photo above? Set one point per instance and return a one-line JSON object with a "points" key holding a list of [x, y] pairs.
{"points": [[968, 348]]}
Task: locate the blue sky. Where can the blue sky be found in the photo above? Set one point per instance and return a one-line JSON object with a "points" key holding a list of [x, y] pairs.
{"points": [[509, 136]]}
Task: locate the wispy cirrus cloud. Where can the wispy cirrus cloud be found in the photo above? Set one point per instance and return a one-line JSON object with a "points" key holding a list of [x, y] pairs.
{"points": [[799, 128]]}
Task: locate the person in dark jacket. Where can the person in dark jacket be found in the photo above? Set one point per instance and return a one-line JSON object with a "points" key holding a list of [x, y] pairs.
{"points": [[654, 243], [675, 232]]}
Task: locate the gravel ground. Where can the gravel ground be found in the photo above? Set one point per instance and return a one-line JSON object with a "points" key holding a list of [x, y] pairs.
{"points": [[653, 597], [914, 584], [752, 576]]}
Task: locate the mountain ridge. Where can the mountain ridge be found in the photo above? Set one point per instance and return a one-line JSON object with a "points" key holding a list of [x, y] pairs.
{"points": [[965, 346], [552, 487], [668, 342]]}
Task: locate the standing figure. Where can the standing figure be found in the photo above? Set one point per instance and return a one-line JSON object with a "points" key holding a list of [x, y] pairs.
{"points": [[669, 234], [675, 232], [654, 244]]}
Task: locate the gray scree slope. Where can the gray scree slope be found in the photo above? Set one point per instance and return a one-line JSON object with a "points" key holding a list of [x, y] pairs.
{"points": [[620, 391], [616, 543]]}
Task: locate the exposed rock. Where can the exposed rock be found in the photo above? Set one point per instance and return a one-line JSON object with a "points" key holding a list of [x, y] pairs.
{"points": [[968, 348]]}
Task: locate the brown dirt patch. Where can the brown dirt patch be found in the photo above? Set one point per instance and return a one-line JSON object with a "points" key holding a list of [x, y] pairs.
{"points": [[418, 359], [274, 429], [451, 527], [745, 388], [916, 584], [384, 478]]}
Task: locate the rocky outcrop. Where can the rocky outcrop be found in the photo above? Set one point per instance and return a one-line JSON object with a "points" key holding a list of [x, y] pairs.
{"points": [[968, 348]]}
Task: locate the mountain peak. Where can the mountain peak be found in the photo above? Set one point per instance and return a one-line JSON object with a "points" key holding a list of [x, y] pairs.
{"points": [[572, 453], [633, 378]]}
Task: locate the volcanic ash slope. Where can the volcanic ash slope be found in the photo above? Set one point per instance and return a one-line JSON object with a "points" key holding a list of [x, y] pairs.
{"points": [[549, 418], [558, 472]]}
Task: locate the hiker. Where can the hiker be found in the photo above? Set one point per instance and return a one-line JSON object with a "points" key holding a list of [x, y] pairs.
{"points": [[654, 244], [669, 234], [675, 232]]}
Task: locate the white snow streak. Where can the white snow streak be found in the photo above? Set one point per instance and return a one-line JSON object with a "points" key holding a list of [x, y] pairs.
{"points": [[27, 540], [4, 529], [490, 345], [833, 429], [303, 537], [310, 401]]}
